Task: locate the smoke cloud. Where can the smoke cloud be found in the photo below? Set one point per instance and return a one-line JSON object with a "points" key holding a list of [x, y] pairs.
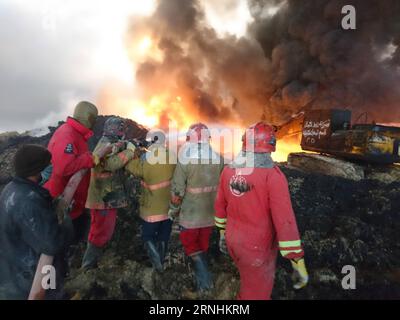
{"points": [[294, 56]]}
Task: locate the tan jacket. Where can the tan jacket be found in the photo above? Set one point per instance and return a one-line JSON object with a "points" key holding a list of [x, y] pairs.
{"points": [[196, 183], [156, 180]]}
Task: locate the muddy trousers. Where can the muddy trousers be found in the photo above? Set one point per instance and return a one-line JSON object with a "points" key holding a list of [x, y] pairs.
{"points": [[257, 271], [195, 240], [102, 226]]}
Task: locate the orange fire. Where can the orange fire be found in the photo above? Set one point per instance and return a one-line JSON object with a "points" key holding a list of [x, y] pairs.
{"points": [[285, 146], [170, 104], [161, 110], [156, 112]]}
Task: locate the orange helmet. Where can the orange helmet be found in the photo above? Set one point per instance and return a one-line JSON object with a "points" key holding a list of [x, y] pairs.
{"points": [[198, 132], [259, 138]]}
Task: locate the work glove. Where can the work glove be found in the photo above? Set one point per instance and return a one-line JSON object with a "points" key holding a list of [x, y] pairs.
{"points": [[222, 242], [300, 275]]}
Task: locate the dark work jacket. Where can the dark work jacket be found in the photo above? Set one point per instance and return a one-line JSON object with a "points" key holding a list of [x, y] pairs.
{"points": [[28, 228]]}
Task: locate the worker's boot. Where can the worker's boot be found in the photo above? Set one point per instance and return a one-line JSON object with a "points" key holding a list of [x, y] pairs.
{"points": [[162, 250], [203, 276], [154, 255], [91, 256]]}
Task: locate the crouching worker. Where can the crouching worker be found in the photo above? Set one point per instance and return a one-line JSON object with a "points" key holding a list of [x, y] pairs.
{"points": [[254, 205], [155, 168], [194, 188], [28, 224], [106, 192]]}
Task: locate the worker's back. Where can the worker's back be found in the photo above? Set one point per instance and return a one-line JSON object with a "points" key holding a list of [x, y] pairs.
{"points": [[249, 205], [156, 171], [196, 180]]}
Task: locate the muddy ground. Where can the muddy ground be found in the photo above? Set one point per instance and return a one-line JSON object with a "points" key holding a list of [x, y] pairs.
{"points": [[342, 222]]}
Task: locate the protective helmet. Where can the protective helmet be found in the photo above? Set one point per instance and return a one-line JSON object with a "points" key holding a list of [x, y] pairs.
{"points": [[198, 133], [259, 138], [114, 127], [86, 113]]}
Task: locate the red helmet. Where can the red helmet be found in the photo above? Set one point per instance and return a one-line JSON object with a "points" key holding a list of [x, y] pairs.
{"points": [[259, 137], [198, 132]]}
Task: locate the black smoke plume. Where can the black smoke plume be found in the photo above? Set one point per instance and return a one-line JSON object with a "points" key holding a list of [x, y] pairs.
{"points": [[294, 56]]}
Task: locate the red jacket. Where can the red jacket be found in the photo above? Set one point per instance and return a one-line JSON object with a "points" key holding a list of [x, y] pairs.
{"points": [[70, 153], [261, 218]]}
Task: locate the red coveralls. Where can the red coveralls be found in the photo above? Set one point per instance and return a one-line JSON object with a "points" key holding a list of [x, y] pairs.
{"points": [[70, 153], [258, 223], [102, 226]]}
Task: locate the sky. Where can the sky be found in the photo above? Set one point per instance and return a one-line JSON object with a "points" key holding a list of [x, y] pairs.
{"points": [[54, 53]]}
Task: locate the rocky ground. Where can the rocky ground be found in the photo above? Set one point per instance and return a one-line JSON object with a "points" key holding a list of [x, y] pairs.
{"points": [[342, 222]]}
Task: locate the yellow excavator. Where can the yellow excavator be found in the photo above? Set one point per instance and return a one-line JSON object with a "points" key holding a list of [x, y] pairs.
{"points": [[331, 132]]}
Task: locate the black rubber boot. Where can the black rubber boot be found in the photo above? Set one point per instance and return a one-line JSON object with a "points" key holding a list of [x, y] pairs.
{"points": [[203, 276], [162, 250], [154, 255], [91, 256]]}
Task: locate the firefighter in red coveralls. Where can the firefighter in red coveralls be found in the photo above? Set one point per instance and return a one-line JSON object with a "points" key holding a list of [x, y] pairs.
{"points": [[70, 153], [253, 203]]}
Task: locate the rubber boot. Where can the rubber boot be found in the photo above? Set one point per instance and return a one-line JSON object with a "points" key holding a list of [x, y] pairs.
{"points": [[154, 255], [91, 256], [162, 250], [203, 276]]}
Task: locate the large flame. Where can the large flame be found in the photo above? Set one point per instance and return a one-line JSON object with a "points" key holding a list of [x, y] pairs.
{"points": [[171, 104], [157, 113], [285, 146]]}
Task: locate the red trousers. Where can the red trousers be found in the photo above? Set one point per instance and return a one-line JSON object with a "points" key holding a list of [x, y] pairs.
{"points": [[102, 226], [256, 266], [195, 240]]}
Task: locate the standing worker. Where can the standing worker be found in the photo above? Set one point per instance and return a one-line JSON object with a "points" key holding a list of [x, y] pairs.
{"points": [[254, 205], [107, 189], [28, 225], [155, 169], [194, 188], [70, 153]]}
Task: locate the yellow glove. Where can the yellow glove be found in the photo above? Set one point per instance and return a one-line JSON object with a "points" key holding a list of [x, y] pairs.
{"points": [[300, 275]]}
